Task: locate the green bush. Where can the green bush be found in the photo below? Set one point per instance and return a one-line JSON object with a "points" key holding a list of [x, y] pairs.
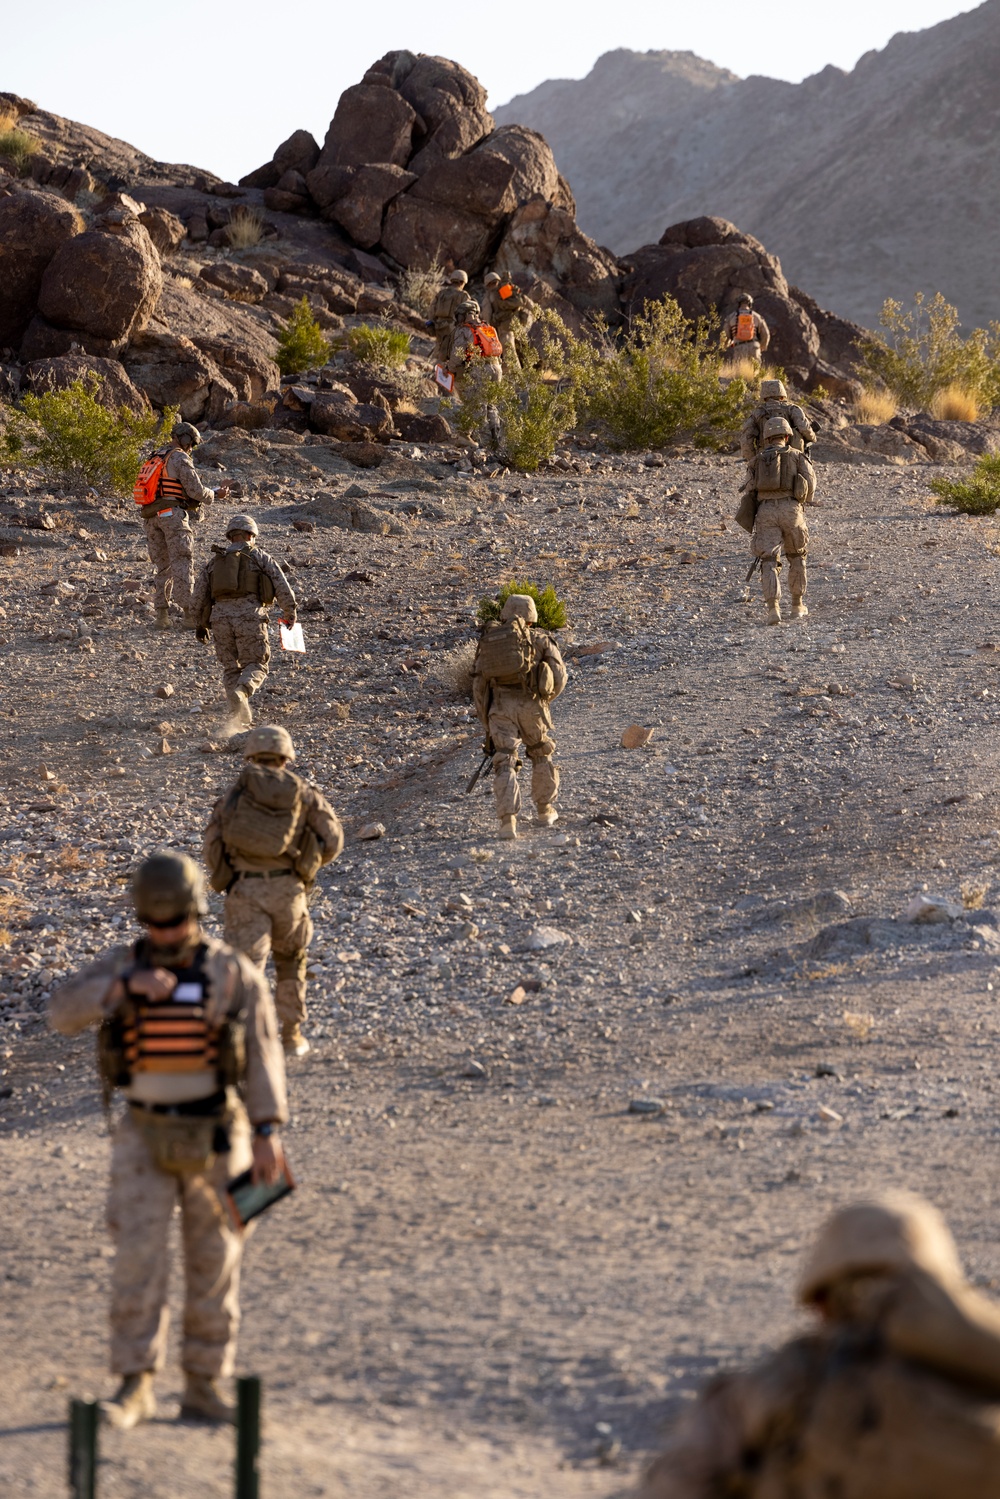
{"points": [[979, 494], [658, 383], [18, 145], [301, 343], [419, 287], [72, 435], [525, 414], [388, 347], [551, 609], [922, 352]]}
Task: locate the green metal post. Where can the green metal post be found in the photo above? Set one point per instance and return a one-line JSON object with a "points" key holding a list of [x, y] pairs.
{"points": [[248, 1438], [83, 1449]]}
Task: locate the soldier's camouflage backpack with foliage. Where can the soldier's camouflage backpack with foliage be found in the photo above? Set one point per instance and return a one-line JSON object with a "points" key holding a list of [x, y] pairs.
{"points": [[507, 655]]}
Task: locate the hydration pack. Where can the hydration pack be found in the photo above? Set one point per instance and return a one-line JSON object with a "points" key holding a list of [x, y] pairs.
{"points": [[507, 655], [486, 340], [147, 485], [746, 328]]}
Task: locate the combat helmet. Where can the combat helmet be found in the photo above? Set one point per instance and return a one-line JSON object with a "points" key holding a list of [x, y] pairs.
{"points": [[185, 432], [776, 426], [269, 739], [167, 887], [492, 278], [897, 1232], [773, 390], [469, 310], [745, 299], [519, 606], [243, 523], [458, 278]]}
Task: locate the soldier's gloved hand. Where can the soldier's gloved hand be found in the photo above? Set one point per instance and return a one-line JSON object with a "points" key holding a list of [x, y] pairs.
{"points": [[222, 493], [289, 620], [203, 634]]}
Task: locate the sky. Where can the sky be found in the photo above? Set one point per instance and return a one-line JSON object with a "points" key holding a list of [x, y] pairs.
{"points": [[220, 86]]}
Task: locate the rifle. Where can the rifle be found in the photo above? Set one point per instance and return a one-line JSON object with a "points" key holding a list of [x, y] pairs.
{"points": [[487, 758]]}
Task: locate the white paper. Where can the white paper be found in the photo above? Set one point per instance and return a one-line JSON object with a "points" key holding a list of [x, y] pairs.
{"points": [[292, 639]]}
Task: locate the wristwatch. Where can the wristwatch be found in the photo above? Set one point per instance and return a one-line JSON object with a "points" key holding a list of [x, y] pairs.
{"points": [[264, 1131]]}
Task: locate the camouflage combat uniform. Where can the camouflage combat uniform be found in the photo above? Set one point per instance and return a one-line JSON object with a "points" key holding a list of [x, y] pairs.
{"points": [[780, 525], [449, 299], [895, 1396], [465, 358], [169, 537], [144, 1195], [753, 348], [511, 315], [267, 910], [239, 624], [512, 716], [752, 431]]}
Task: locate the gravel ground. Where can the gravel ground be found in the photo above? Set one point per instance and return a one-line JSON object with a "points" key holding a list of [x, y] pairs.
{"points": [[494, 1273]]}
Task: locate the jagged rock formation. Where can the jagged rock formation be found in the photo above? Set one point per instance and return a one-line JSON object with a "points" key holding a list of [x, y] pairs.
{"points": [[868, 184]]}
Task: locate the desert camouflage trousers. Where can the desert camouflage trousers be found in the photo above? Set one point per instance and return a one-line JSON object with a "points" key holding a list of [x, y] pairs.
{"points": [[239, 633], [515, 718], [271, 915], [141, 1203], [170, 541], [781, 525]]}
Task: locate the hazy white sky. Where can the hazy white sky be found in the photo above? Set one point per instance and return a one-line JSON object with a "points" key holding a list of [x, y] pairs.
{"points": [[221, 85]]}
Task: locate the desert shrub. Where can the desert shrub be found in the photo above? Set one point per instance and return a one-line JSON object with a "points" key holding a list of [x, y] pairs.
{"points": [[922, 352], [453, 669], [979, 494], [954, 404], [658, 382], [379, 344], [70, 433], [301, 343], [525, 414], [551, 609], [419, 288], [17, 145], [245, 229], [875, 407]]}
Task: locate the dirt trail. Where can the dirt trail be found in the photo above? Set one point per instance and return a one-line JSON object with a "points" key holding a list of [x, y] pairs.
{"points": [[479, 1270]]}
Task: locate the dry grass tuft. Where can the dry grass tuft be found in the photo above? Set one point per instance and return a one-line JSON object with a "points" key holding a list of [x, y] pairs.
{"points": [[453, 669], [419, 288], [245, 229], [954, 403], [740, 369], [875, 407], [973, 895], [859, 1026]]}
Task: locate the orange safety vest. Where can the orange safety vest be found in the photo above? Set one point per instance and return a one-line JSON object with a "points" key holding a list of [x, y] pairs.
{"points": [[746, 328]]}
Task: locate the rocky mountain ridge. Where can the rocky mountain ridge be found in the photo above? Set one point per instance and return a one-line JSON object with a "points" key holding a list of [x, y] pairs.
{"points": [[867, 184]]}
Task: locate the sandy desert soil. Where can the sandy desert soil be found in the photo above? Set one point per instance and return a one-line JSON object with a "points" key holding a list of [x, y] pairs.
{"points": [[494, 1273]]}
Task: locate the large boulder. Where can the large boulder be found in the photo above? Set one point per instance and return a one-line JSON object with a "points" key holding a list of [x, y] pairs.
{"points": [[33, 226], [104, 284], [840, 340], [240, 282], [338, 414], [449, 101], [542, 241], [371, 123], [171, 371], [113, 387], [164, 228], [417, 232], [368, 192], [298, 153]]}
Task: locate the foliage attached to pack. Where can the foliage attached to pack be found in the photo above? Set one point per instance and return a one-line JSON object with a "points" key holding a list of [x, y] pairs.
{"points": [[551, 609], [301, 343], [72, 435]]}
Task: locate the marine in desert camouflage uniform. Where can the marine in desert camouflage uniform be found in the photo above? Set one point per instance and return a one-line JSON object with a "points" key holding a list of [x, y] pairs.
{"points": [[267, 907], [169, 537], [449, 299], [736, 345], [231, 602], [514, 712], [783, 481], [511, 312], [895, 1395], [170, 1007], [774, 402]]}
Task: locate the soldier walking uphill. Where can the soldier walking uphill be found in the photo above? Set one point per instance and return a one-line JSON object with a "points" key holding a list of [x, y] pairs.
{"points": [[894, 1395], [782, 482], [506, 308], [177, 493], [746, 333], [188, 1033], [266, 841], [517, 672], [774, 402], [231, 599], [449, 299]]}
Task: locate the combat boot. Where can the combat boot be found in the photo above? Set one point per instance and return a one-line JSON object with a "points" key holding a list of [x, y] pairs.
{"points": [[546, 815], [773, 614], [162, 620], [133, 1402], [190, 620], [508, 828], [201, 1401], [292, 1039], [799, 610], [239, 707]]}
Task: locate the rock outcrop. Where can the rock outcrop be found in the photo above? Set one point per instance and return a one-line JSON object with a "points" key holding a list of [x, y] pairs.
{"points": [[112, 386], [33, 226]]}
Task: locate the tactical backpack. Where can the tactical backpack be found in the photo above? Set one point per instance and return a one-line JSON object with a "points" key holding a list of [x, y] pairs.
{"points": [[777, 476], [746, 328], [507, 655], [237, 574], [486, 340], [147, 485], [263, 814]]}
